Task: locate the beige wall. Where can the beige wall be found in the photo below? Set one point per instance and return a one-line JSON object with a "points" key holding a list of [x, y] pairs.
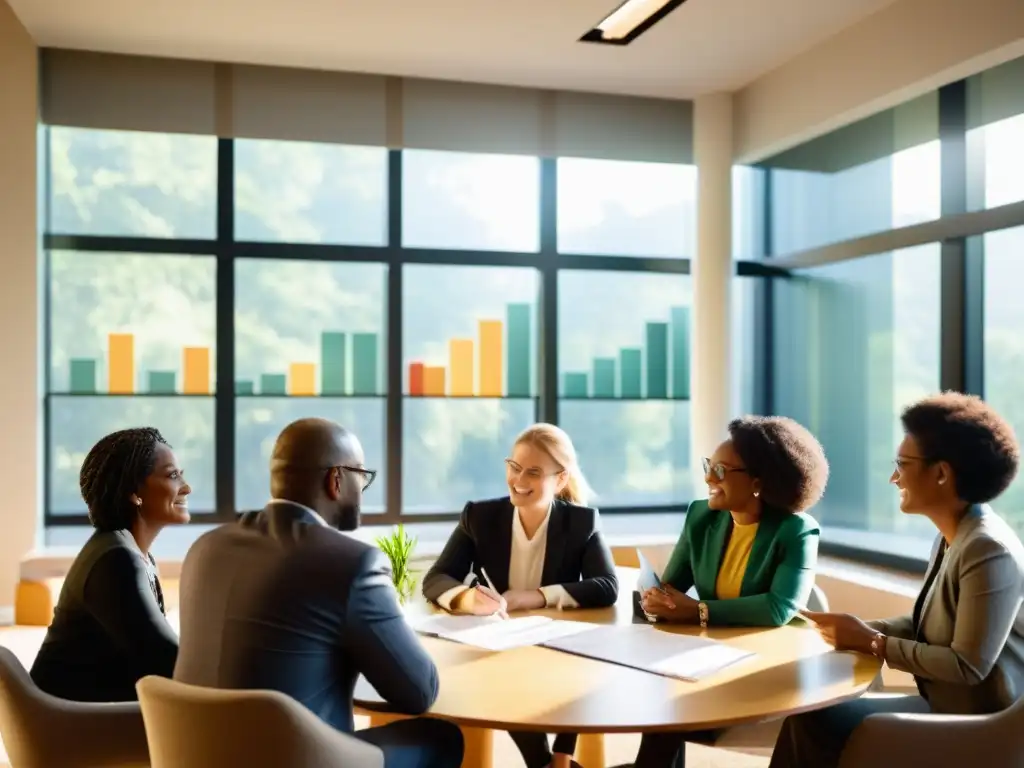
{"points": [[905, 50], [20, 462]]}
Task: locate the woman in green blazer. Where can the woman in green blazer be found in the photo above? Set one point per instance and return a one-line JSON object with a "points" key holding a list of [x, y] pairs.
{"points": [[749, 549]]}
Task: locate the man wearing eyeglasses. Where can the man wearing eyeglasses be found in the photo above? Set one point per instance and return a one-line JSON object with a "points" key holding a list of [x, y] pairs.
{"points": [[284, 601]]}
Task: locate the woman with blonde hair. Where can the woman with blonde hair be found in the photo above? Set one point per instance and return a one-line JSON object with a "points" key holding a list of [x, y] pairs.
{"points": [[538, 547]]}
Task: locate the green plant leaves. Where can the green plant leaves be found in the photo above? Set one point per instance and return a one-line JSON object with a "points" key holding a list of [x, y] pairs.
{"points": [[399, 546]]}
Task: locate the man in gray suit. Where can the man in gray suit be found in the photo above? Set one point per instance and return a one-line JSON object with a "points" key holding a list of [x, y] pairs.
{"points": [[284, 601]]}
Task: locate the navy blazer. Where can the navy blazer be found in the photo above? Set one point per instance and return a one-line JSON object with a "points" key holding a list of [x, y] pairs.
{"points": [[281, 601], [576, 556]]}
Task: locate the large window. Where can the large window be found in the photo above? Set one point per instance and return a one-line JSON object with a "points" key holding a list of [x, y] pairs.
{"points": [[132, 343], [221, 326], [995, 141], [856, 342]]}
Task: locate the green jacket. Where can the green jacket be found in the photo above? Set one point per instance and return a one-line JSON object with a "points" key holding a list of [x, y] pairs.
{"points": [[779, 575]]}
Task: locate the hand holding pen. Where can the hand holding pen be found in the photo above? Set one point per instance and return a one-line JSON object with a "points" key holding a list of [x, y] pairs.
{"points": [[481, 600]]}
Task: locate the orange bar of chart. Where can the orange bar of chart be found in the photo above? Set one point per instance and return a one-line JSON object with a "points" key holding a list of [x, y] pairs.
{"points": [[196, 365], [302, 379], [433, 380], [460, 352], [491, 336], [121, 364]]}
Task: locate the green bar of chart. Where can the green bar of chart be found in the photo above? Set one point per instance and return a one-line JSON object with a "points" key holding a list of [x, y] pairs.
{"points": [[244, 387], [332, 363], [162, 383], [630, 374], [574, 385], [364, 364], [83, 376], [657, 360], [604, 377], [680, 322], [273, 384], [519, 350]]}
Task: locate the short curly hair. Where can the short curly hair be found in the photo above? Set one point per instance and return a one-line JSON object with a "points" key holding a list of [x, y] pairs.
{"points": [[787, 459], [967, 433], [114, 469]]}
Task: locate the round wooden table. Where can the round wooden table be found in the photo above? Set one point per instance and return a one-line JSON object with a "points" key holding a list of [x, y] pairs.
{"points": [[538, 689]]}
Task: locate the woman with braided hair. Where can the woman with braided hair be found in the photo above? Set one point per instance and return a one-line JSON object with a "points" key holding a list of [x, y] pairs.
{"points": [[109, 628]]}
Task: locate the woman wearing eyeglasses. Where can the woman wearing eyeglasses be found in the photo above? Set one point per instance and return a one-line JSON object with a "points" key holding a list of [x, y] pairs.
{"points": [[538, 547], [964, 640], [750, 549]]}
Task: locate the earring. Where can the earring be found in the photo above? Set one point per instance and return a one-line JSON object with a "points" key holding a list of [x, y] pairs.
{"points": [[137, 501], [942, 481], [756, 494]]}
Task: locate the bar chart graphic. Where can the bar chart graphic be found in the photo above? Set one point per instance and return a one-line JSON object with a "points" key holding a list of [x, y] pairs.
{"points": [[124, 377], [349, 366], [659, 369], [495, 362]]}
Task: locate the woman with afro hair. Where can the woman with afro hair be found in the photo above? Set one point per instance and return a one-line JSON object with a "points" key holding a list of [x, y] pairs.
{"points": [[749, 549], [964, 640]]}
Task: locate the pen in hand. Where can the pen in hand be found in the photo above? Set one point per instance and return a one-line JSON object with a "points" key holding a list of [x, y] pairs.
{"points": [[490, 585]]}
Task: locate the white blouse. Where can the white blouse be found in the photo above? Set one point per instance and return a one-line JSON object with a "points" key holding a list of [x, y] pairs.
{"points": [[526, 567]]}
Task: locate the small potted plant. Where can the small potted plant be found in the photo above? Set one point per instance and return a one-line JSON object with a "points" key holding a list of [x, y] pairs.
{"points": [[399, 546]]}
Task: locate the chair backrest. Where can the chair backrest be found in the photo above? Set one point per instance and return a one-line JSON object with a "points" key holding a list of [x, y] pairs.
{"points": [[43, 731], [200, 727], [817, 601]]}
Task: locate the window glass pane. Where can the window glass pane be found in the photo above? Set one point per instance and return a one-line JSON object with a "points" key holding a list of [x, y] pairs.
{"points": [[745, 350], [879, 173], [995, 139], [855, 343], [618, 208], [124, 325], [1004, 346], [309, 341], [748, 209], [127, 324], [304, 192], [624, 380], [470, 378], [132, 184], [76, 423], [466, 201], [259, 420]]}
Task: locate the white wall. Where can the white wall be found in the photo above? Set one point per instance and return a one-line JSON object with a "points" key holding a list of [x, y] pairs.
{"points": [[20, 464]]}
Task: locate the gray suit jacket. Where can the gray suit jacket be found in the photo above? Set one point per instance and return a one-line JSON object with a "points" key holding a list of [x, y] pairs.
{"points": [[281, 601], [964, 643]]}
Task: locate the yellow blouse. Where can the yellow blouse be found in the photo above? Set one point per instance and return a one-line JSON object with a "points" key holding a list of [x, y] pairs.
{"points": [[734, 561]]}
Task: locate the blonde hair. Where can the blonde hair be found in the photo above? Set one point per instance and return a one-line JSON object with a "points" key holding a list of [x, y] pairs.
{"points": [[556, 443]]}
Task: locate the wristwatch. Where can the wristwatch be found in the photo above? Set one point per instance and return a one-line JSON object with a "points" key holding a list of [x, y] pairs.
{"points": [[702, 613], [878, 646]]}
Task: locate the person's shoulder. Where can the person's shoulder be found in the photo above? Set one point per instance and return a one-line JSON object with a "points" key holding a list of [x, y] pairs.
{"points": [[797, 523], [990, 537], [699, 514], [579, 514], [484, 509]]}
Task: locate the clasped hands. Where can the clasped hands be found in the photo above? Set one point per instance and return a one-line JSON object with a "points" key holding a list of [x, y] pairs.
{"points": [[668, 603], [483, 601]]}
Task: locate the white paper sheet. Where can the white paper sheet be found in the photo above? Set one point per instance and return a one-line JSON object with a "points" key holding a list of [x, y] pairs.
{"points": [[494, 634], [653, 650]]}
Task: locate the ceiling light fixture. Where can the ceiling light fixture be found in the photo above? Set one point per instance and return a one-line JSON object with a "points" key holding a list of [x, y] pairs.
{"points": [[630, 20]]}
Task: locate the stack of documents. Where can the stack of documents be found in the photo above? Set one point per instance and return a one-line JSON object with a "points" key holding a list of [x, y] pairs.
{"points": [[495, 634], [650, 649]]}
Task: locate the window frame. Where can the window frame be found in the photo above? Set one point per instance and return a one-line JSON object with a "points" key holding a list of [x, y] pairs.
{"points": [[547, 261]]}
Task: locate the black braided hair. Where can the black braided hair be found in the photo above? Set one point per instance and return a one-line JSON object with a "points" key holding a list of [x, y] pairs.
{"points": [[114, 469]]}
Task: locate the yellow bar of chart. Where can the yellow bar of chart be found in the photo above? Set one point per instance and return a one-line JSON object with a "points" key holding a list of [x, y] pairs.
{"points": [[302, 379], [433, 380], [491, 379], [460, 355], [121, 364], [196, 365]]}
